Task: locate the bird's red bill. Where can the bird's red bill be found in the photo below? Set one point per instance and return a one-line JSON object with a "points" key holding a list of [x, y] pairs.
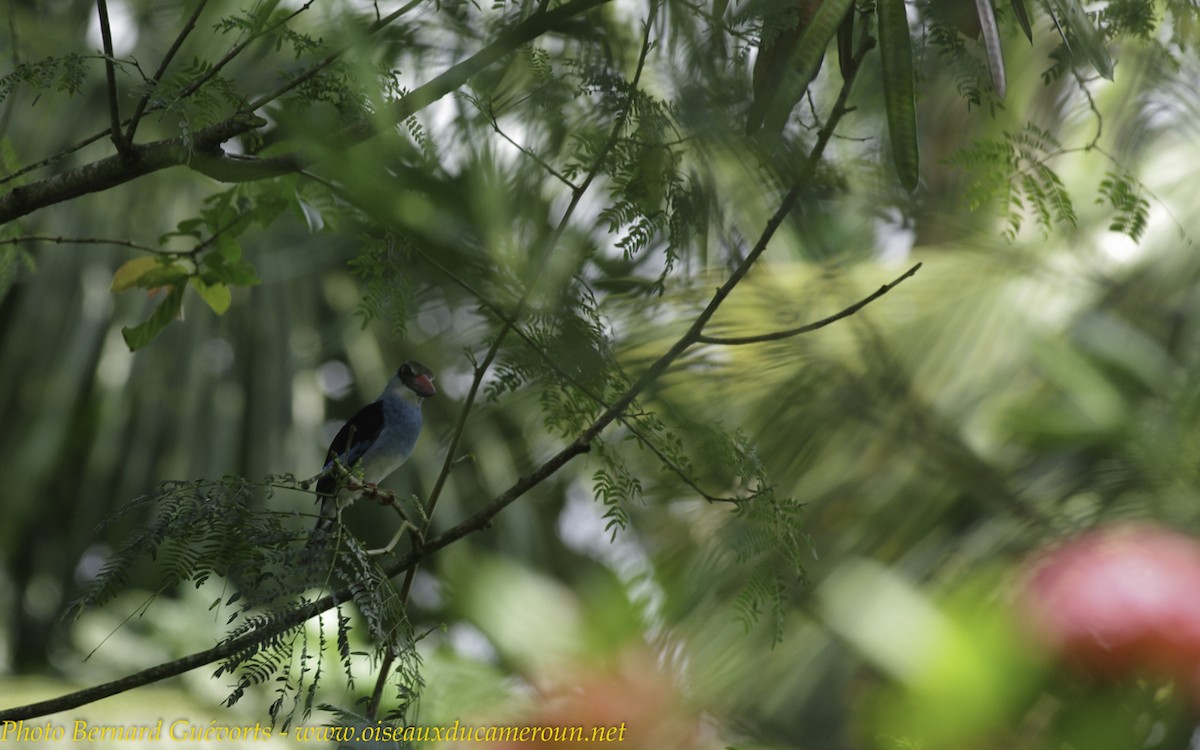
{"points": [[423, 385]]}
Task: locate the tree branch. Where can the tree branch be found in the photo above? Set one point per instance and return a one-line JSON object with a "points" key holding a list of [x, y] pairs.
{"points": [[809, 327], [82, 241], [110, 75], [121, 168], [209, 160], [483, 516]]}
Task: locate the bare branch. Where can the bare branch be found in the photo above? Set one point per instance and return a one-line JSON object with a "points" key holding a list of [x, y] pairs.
{"points": [[809, 327], [83, 241], [110, 75]]}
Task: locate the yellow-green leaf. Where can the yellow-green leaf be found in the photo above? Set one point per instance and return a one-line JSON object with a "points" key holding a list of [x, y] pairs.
{"points": [[216, 296], [899, 90], [126, 277]]}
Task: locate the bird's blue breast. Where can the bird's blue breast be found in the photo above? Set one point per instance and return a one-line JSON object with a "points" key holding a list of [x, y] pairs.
{"points": [[401, 428]]}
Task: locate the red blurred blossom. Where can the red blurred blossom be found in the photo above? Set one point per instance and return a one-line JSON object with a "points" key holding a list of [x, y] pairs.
{"points": [[1120, 601], [631, 701]]}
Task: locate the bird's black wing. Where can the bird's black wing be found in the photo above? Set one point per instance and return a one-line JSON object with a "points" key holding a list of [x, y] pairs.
{"points": [[351, 442]]}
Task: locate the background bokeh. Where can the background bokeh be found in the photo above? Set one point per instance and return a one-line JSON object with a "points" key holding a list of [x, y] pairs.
{"points": [[1017, 389]]}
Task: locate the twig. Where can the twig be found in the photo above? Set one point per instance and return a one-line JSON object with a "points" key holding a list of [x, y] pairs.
{"points": [[808, 327], [110, 74], [83, 241], [540, 161], [328, 60], [140, 108]]}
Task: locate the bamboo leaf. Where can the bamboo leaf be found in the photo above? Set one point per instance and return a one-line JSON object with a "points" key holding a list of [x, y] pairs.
{"points": [[899, 90]]}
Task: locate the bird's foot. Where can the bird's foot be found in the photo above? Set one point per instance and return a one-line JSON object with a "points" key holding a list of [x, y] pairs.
{"points": [[379, 495]]}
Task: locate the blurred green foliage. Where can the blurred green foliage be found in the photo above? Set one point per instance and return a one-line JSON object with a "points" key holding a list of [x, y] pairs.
{"points": [[798, 543]]}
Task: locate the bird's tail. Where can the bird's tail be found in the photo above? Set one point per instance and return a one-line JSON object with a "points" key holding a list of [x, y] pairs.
{"points": [[326, 520]]}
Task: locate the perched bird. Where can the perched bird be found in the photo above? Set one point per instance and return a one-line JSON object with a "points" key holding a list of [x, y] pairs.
{"points": [[372, 445]]}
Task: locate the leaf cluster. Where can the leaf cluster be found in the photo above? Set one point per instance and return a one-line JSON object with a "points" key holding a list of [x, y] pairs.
{"points": [[64, 74], [1014, 170], [214, 532]]}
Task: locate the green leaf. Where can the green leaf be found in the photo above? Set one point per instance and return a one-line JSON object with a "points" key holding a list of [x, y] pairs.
{"points": [[219, 269], [167, 310], [1022, 15], [216, 296], [799, 65], [127, 276], [312, 216], [899, 91], [1081, 35]]}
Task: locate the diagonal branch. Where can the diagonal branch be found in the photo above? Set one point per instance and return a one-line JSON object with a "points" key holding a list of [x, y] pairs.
{"points": [[483, 516], [119, 169], [808, 327], [140, 108]]}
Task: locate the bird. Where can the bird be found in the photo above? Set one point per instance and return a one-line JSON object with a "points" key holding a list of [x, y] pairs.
{"points": [[370, 446]]}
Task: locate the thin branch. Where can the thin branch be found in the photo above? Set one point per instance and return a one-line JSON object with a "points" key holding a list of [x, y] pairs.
{"points": [[110, 74], [83, 241], [140, 108], [328, 60], [236, 50], [809, 327], [626, 419], [51, 159], [540, 161]]}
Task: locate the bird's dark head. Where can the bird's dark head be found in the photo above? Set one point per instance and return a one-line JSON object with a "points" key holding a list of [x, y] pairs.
{"points": [[417, 377]]}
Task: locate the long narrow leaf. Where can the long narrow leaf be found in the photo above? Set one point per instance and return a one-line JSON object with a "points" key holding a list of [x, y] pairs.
{"points": [[899, 90], [802, 63], [1022, 15], [845, 43], [991, 43]]}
